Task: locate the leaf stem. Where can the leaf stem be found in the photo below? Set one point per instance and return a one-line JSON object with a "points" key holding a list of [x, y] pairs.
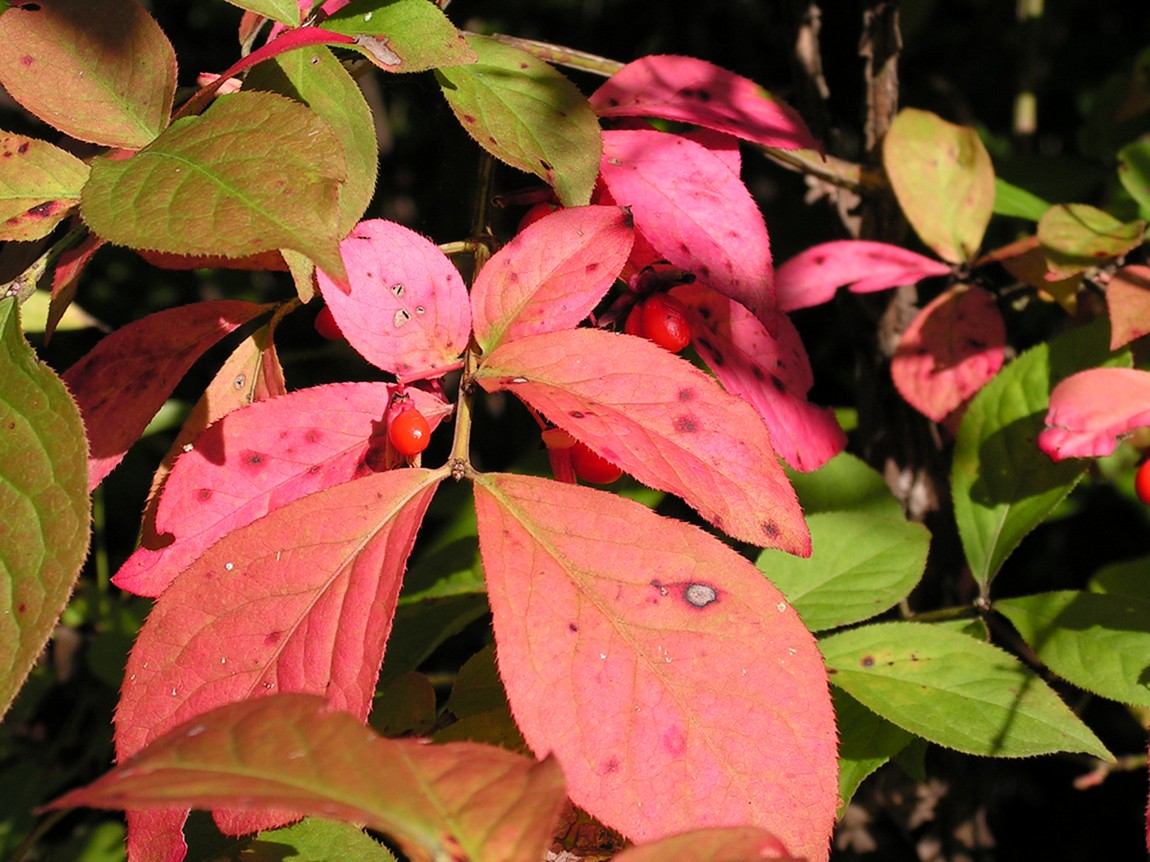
{"points": [[563, 56]]}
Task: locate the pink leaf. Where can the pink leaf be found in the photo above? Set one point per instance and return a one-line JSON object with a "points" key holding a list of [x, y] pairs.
{"points": [[407, 311], [663, 421], [732, 844], [674, 684], [949, 351], [694, 211], [299, 601], [689, 90], [295, 752], [772, 373], [551, 275], [126, 378], [1090, 411], [257, 459], [812, 276], [1128, 299]]}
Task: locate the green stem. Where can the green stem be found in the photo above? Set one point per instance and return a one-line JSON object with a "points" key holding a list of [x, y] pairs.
{"points": [[562, 56]]}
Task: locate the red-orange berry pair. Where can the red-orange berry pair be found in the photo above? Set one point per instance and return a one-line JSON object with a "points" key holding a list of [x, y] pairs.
{"points": [[661, 319]]}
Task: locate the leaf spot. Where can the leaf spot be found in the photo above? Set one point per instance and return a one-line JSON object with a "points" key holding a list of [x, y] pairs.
{"points": [[675, 742], [867, 661], [204, 494], [252, 459], [781, 607], [770, 529], [401, 317], [240, 381], [398, 289], [686, 394], [26, 61], [271, 640], [700, 595], [572, 627], [196, 731], [685, 424], [229, 566], [611, 765], [662, 589]]}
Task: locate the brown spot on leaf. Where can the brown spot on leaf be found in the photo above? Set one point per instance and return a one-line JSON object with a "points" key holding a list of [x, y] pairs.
{"points": [[686, 393], [867, 661], [700, 595], [611, 765], [312, 436], [572, 627], [770, 529], [204, 494], [26, 61], [576, 414], [685, 424], [273, 638], [591, 267], [251, 460]]}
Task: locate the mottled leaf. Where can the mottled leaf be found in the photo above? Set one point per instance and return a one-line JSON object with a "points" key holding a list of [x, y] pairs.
{"points": [[300, 600], [694, 211], [943, 179], [44, 497], [954, 690], [949, 351], [1101, 643], [402, 35], [702, 685], [528, 115], [294, 752], [126, 378], [771, 372], [860, 565], [407, 311], [813, 276], [257, 459], [660, 419], [1076, 237], [731, 844], [1092, 410], [39, 186], [689, 90], [314, 76], [99, 70], [255, 172], [1128, 301], [551, 275]]}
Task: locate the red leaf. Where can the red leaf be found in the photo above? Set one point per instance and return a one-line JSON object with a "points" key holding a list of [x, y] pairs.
{"points": [[126, 378], [294, 752], [272, 261], [550, 276], [733, 844], [1090, 411], [1128, 299], [674, 684], [812, 276], [663, 421], [407, 311], [299, 601], [771, 373], [949, 351], [689, 90], [257, 459], [66, 278], [694, 211]]}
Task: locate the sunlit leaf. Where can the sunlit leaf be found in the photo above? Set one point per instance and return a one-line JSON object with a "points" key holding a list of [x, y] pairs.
{"points": [[126, 378], [866, 742], [690, 90], [1010, 200], [407, 311], [949, 351], [813, 276], [660, 419], [528, 115], [300, 600], [311, 840], [402, 35], [1128, 301], [44, 497], [731, 844], [1076, 237], [1092, 410], [286, 11], [255, 172], [954, 690], [701, 683], [551, 275], [943, 179], [99, 70], [39, 186], [293, 752]]}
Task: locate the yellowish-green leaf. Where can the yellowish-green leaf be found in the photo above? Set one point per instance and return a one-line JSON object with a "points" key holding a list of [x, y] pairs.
{"points": [[402, 35], [1076, 237], [39, 186], [284, 11]]}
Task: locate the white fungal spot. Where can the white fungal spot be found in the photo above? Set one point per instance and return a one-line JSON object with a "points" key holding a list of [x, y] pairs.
{"points": [[197, 730], [603, 656], [401, 318], [397, 289], [295, 755], [791, 650], [229, 566], [278, 553], [187, 447], [518, 380], [781, 606], [174, 692], [240, 381], [223, 660], [700, 595], [367, 16]]}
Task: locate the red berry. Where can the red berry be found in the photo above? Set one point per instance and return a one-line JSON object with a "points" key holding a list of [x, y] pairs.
{"points": [[1142, 482], [591, 467], [665, 322], [538, 211], [634, 323], [326, 326], [409, 432]]}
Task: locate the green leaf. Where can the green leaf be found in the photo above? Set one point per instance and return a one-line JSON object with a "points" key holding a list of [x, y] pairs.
{"points": [[284, 11], [313, 76], [528, 115], [860, 565], [44, 500], [1134, 173], [101, 71], [943, 179], [1002, 484], [954, 690], [1127, 578], [1076, 237], [39, 186], [1010, 200], [310, 840], [255, 172], [402, 35], [845, 482], [1101, 643], [866, 742]]}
